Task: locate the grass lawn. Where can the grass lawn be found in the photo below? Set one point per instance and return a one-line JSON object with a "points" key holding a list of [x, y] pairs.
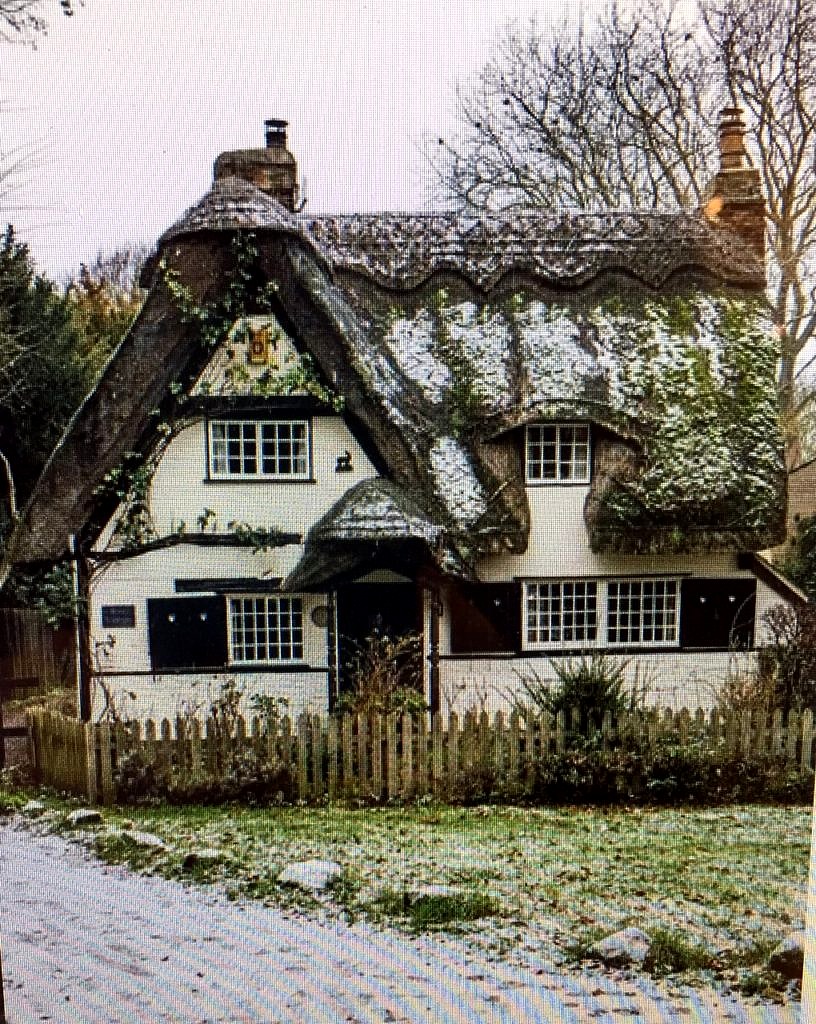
{"points": [[720, 886]]}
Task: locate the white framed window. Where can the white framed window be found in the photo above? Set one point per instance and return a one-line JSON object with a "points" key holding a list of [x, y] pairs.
{"points": [[561, 613], [579, 614], [265, 629], [556, 452], [259, 449], [642, 612]]}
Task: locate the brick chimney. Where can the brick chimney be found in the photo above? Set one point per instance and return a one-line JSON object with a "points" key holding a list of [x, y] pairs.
{"points": [[273, 169], [735, 199]]}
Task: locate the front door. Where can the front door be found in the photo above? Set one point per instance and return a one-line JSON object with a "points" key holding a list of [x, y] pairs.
{"points": [[370, 618]]}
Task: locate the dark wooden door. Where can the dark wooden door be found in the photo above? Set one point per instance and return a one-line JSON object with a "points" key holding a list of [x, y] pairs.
{"points": [[371, 612]]}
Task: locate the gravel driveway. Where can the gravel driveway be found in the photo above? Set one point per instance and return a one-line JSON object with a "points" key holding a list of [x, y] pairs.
{"points": [[83, 942]]}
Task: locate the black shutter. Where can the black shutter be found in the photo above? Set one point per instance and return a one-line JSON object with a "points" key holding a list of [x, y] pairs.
{"points": [[485, 618], [718, 613], [187, 632]]}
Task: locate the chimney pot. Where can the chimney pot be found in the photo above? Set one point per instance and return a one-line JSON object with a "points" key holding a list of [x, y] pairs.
{"points": [[272, 169], [734, 198], [275, 133], [733, 154]]}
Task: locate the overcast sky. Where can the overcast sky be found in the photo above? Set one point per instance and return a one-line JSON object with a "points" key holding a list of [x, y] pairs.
{"points": [[120, 111]]}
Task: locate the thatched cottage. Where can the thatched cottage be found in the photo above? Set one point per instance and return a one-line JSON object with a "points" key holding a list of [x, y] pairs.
{"points": [[519, 438]]}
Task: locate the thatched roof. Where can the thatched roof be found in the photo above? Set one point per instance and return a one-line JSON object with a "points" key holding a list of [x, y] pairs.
{"points": [[375, 525], [444, 336]]}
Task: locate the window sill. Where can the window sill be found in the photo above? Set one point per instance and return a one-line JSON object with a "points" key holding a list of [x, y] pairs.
{"points": [[557, 483], [219, 480], [214, 670]]}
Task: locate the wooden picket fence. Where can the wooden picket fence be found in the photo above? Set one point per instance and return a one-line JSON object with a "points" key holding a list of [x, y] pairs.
{"points": [[380, 757]]}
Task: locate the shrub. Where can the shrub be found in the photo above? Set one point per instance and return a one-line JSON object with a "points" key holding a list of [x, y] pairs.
{"points": [[788, 661], [247, 778], [385, 674], [669, 774], [594, 684], [745, 689], [799, 563], [671, 953], [11, 799], [427, 910]]}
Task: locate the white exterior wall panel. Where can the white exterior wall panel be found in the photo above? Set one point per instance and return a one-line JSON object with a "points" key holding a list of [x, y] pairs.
{"points": [[675, 679], [169, 694], [180, 493]]}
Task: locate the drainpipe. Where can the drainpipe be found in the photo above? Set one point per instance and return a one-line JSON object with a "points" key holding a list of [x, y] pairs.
{"points": [[332, 641], [433, 672], [809, 973], [80, 579]]}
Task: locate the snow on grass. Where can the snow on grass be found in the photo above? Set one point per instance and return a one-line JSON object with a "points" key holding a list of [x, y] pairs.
{"points": [[723, 877]]}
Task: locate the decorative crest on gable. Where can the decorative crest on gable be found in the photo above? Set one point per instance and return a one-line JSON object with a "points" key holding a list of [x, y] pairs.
{"points": [[256, 358]]}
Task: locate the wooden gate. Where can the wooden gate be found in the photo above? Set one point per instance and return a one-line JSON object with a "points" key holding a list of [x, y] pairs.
{"points": [[30, 648], [8, 690]]}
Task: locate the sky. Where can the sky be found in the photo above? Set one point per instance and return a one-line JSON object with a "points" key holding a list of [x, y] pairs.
{"points": [[118, 114]]}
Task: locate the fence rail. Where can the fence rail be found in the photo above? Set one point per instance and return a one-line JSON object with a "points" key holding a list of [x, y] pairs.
{"points": [[376, 757]]}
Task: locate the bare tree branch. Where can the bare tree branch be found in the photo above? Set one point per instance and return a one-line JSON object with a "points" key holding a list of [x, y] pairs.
{"points": [[621, 111], [21, 21]]}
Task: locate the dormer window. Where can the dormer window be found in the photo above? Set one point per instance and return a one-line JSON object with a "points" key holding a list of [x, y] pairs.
{"points": [[259, 449], [557, 452]]}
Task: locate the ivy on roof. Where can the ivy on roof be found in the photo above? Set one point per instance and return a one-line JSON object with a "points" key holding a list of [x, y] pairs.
{"points": [[685, 381]]}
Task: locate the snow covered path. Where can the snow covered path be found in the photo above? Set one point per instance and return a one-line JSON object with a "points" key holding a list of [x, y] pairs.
{"points": [[83, 942]]}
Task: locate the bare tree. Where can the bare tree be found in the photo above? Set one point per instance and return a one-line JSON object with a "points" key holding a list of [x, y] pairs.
{"points": [[621, 111], [23, 20]]}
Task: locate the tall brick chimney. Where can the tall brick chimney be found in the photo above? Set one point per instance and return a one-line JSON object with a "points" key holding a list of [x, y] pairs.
{"points": [[273, 169], [735, 198]]}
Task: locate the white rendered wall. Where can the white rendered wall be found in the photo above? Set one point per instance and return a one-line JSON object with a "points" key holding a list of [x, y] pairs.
{"points": [[180, 493], [673, 679], [169, 694], [559, 549]]}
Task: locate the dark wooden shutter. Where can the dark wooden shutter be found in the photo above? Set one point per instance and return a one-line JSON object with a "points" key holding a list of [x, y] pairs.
{"points": [[485, 618], [717, 613], [187, 632]]}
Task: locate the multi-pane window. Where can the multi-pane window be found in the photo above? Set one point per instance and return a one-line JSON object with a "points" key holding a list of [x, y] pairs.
{"points": [[259, 448], [563, 613], [642, 612], [266, 629], [558, 451]]}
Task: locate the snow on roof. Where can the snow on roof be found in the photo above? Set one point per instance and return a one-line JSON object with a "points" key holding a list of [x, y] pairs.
{"points": [[454, 332]]}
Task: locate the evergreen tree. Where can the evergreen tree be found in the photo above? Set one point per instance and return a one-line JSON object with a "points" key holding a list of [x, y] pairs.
{"points": [[45, 371]]}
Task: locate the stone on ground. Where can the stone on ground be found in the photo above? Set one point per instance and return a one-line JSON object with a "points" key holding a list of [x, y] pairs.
{"points": [[628, 946], [84, 816], [145, 839], [426, 892], [203, 857], [314, 875]]}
